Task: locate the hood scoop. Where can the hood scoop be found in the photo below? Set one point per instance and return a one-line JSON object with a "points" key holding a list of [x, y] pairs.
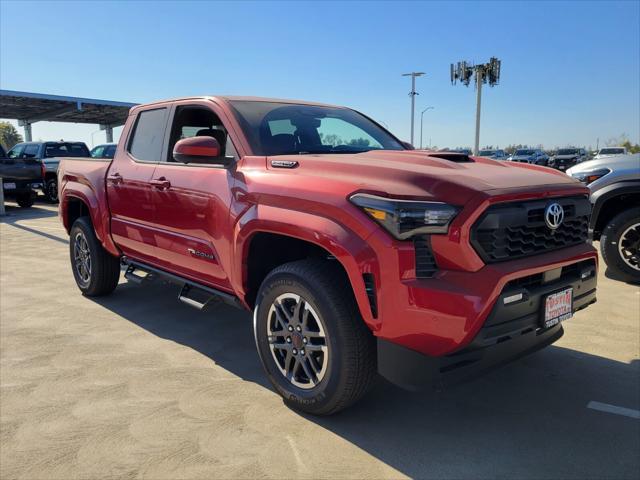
{"points": [[452, 157]]}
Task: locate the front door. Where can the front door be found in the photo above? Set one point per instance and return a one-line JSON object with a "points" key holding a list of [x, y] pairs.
{"points": [[129, 188], [192, 202]]}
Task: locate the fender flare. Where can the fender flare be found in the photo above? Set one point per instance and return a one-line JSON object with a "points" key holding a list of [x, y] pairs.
{"points": [[100, 218], [600, 197], [354, 253]]}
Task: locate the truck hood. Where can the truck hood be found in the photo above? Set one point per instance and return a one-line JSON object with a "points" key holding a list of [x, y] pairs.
{"points": [[434, 175]]}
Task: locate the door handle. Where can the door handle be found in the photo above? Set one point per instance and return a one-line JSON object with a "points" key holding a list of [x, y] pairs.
{"points": [[115, 178], [161, 183]]}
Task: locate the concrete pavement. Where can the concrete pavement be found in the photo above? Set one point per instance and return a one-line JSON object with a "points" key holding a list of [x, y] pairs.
{"points": [[139, 385]]}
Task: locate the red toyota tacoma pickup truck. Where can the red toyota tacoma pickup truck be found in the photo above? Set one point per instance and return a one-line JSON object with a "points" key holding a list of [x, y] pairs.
{"points": [[356, 253]]}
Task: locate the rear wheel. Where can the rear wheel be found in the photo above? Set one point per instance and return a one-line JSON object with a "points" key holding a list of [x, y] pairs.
{"points": [[51, 190], [620, 244], [315, 348], [25, 200], [95, 270]]}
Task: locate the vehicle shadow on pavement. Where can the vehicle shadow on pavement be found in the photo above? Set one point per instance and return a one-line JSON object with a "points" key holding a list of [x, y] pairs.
{"points": [[13, 212], [528, 419]]}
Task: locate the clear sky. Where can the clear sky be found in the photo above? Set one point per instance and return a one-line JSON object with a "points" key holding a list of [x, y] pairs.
{"points": [[570, 70]]}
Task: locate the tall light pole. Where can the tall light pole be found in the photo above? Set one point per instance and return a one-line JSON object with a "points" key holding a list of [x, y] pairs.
{"points": [[422, 118], [484, 73], [413, 94]]}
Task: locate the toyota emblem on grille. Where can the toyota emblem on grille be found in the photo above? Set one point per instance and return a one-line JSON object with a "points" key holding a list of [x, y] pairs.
{"points": [[553, 215]]}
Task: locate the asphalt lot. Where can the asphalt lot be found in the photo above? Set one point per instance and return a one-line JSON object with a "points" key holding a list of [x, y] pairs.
{"points": [[139, 385]]}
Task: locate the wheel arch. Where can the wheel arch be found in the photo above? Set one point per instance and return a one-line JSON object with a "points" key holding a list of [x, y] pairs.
{"points": [[77, 202], [296, 235], [611, 200]]}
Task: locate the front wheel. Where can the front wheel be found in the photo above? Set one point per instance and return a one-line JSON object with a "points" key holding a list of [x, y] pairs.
{"points": [[95, 270], [620, 244], [314, 346]]}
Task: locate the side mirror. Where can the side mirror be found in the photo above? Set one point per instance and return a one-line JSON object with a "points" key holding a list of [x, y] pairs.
{"points": [[408, 146], [199, 150]]}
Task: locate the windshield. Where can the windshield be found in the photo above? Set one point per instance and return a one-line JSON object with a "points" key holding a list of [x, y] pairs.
{"points": [[524, 152], [486, 153], [66, 150], [568, 151], [283, 129], [612, 151]]}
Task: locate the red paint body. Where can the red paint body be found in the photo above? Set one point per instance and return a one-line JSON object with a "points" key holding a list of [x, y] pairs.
{"points": [[217, 211]]}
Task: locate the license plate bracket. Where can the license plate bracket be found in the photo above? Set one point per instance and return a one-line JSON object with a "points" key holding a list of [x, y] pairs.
{"points": [[558, 307]]}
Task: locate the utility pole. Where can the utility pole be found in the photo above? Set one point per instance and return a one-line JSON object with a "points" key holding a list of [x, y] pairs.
{"points": [[421, 118], [479, 73], [413, 94], [483, 73]]}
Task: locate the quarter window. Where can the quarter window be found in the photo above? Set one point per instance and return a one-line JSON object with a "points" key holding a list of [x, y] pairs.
{"points": [[148, 135]]}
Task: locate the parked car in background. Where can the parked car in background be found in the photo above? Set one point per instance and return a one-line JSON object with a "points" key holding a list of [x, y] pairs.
{"points": [[615, 221], [464, 151], [530, 155], [20, 176], [566, 158], [47, 153], [493, 154], [106, 150], [349, 251], [610, 152]]}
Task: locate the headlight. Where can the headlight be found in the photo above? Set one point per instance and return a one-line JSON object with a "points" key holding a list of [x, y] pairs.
{"points": [[405, 218], [590, 176]]}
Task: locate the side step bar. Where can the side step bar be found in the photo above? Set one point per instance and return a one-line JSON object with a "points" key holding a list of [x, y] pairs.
{"points": [[192, 293]]}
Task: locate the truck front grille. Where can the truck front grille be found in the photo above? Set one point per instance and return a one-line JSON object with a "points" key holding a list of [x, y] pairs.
{"points": [[517, 229]]}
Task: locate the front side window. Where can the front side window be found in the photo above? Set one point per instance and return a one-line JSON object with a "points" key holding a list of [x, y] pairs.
{"points": [[97, 151], [148, 135], [274, 128], [195, 121], [16, 151]]}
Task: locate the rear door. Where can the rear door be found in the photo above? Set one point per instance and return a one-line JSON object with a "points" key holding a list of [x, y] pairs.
{"points": [[192, 201], [129, 190]]}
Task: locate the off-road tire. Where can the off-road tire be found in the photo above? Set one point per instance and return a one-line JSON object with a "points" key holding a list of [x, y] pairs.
{"points": [[105, 268], [25, 200], [609, 244], [351, 366]]}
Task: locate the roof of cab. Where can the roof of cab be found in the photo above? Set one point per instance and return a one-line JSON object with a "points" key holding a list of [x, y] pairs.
{"points": [[235, 98]]}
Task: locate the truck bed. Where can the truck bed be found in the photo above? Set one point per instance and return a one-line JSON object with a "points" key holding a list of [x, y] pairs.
{"points": [[20, 169]]}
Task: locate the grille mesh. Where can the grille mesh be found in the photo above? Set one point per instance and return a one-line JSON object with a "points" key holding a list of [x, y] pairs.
{"points": [[425, 261], [515, 230]]}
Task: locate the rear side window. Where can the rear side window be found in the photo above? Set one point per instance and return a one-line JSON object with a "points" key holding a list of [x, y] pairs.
{"points": [[148, 135], [31, 151], [109, 152]]}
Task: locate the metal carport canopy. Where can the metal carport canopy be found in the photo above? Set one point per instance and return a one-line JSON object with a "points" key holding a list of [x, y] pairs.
{"points": [[28, 108]]}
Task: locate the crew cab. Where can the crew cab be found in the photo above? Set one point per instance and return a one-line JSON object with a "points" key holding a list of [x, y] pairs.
{"points": [[47, 153], [19, 177], [356, 254]]}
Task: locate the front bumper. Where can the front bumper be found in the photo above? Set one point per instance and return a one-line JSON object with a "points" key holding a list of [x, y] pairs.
{"points": [[511, 330]]}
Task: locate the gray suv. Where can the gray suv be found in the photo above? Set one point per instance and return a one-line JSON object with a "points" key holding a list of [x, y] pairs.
{"points": [[615, 219]]}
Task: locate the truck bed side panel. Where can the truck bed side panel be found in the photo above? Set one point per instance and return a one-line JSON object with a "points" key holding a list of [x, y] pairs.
{"points": [[84, 179]]}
